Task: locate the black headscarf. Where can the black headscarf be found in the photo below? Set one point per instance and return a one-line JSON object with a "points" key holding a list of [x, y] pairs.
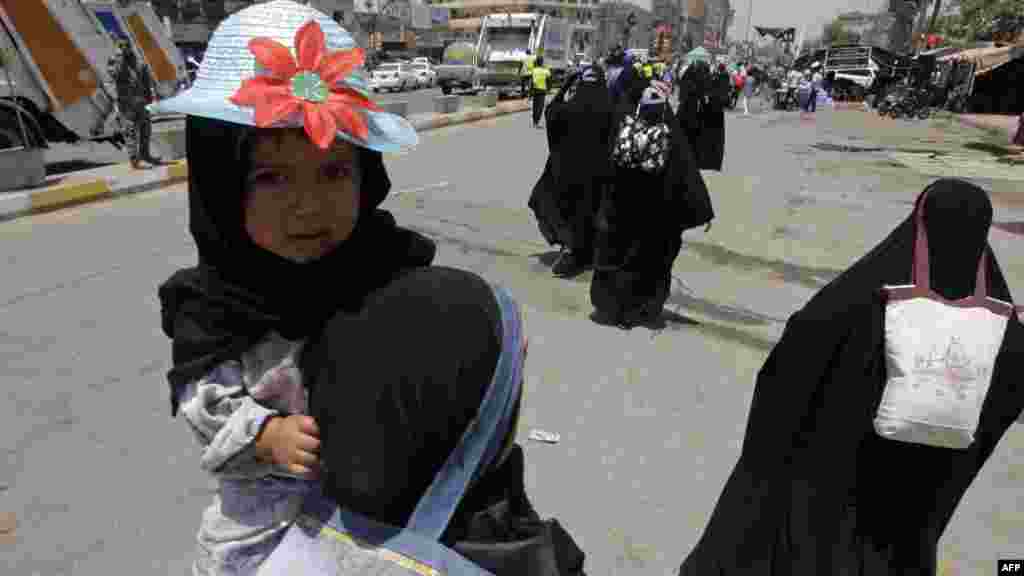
{"points": [[394, 388], [816, 490], [240, 292], [386, 374]]}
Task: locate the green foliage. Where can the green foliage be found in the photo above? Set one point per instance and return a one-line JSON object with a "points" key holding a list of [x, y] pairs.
{"points": [[835, 33], [976, 18]]}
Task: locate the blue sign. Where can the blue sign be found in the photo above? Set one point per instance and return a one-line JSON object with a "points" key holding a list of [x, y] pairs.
{"points": [[110, 22]]}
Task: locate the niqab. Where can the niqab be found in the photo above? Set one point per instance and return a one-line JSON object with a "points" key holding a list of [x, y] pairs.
{"points": [[239, 292], [816, 490]]}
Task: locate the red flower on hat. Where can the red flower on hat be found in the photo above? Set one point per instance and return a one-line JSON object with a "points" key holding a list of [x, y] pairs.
{"points": [[310, 85]]}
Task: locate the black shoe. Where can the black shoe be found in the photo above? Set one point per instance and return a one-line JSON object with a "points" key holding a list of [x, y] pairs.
{"points": [[569, 266]]}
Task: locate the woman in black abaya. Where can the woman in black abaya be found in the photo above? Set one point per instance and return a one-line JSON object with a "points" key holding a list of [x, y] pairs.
{"points": [[701, 113], [642, 218], [389, 427], [566, 196], [816, 490]]}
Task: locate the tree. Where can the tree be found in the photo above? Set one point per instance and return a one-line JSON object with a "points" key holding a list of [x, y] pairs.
{"points": [[978, 19], [835, 33]]}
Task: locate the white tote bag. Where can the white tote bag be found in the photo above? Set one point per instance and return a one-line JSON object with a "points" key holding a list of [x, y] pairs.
{"points": [[939, 356]]}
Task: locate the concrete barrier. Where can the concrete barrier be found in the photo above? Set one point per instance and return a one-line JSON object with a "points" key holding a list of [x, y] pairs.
{"points": [[22, 168], [447, 104], [397, 108]]}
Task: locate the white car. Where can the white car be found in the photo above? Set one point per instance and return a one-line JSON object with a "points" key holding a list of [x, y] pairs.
{"points": [[393, 76], [425, 74]]}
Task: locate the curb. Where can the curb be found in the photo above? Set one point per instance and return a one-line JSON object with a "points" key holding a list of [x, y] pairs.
{"points": [[79, 188], [73, 189]]}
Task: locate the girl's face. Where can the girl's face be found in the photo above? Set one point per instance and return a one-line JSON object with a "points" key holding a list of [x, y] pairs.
{"points": [[300, 201]]}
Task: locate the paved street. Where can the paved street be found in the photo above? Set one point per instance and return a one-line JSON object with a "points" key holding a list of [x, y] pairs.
{"points": [[102, 481], [63, 158]]}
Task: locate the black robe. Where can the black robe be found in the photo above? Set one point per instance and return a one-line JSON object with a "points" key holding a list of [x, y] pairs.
{"points": [[640, 224], [816, 491], [701, 113], [565, 198]]}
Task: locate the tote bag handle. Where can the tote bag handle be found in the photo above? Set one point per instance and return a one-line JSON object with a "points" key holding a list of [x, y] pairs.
{"points": [[921, 273]]}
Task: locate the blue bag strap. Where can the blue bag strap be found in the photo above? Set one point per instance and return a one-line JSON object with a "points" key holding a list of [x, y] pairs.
{"points": [[483, 439]]}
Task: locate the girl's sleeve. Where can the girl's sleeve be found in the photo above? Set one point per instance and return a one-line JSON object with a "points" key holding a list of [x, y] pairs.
{"points": [[226, 420]]}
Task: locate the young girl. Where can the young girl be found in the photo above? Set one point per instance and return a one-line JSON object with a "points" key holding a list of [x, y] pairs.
{"points": [[285, 176]]}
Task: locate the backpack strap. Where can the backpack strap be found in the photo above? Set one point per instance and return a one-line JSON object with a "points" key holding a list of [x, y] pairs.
{"points": [[485, 436]]}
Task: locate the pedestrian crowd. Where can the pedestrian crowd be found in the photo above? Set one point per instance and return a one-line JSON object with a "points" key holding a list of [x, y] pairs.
{"points": [[358, 405]]}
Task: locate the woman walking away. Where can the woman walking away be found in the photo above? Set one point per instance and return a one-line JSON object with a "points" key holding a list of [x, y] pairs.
{"points": [[639, 235], [566, 196], [855, 454], [424, 451], [540, 77], [701, 113], [283, 210]]}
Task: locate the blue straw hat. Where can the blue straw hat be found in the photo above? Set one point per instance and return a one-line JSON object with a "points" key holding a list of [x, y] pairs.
{"points": [[301, 93]]}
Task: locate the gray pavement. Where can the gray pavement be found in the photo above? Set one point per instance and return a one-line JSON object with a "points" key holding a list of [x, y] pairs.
{"points": [[103, 481]]}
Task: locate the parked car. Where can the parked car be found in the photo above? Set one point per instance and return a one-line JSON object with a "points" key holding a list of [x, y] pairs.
{"points": [[393, 76], [425, 74]]}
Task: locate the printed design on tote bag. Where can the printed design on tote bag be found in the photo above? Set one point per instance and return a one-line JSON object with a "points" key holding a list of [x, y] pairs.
{"points": [[952, 367]]}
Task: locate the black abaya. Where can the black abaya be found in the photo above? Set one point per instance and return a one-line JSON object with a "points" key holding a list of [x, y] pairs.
{"points": [[640, 223], [701, 113], [384, 443], [566, 196], [816, 490]]}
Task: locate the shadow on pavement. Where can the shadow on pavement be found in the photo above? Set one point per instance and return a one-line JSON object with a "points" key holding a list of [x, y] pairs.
{"points": [[65, 166]]}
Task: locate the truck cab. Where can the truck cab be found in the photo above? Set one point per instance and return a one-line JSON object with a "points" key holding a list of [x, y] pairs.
{"points": [[507, 40]]}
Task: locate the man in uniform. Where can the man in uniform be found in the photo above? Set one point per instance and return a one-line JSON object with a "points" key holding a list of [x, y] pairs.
{"points": [[526, 73], [540, 77], [648, 69], [135, 89]]}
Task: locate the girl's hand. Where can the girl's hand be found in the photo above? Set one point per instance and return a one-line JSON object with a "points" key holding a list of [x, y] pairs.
{"points": [[291, 443]]}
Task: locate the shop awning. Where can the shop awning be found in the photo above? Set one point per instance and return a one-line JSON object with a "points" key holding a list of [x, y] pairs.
{"points": [[988, 59]]}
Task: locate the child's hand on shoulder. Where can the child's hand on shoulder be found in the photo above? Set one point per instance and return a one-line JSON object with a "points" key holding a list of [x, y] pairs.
{"points": [[292, 443]]}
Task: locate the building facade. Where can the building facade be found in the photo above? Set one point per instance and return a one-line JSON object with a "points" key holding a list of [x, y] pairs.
{"points": [[372, 23]]}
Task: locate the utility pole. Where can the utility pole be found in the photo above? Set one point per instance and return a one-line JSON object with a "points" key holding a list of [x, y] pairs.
{"points": [[750, 22]]}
